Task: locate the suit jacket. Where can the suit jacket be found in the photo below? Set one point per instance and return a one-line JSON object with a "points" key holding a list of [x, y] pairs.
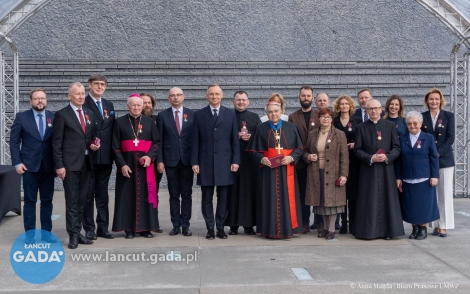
{"points": [[444, 135], [417, 163], [68, 140], [175, 147], [215, 146], [33, 150], [358, 113], [104, 129], [297, 118]]}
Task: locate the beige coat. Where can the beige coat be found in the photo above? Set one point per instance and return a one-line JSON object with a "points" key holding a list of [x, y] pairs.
{"points": [[336, 165]]}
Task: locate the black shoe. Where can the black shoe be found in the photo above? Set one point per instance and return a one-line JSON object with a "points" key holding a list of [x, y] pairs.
{"points": [[187, 232], [90, 235], [313, 226], [414, 232], [250, 231], [130, 235], [73, 242], [105, 234], [435, 232], [233, 231], [221, 234], [146, 234], [29, 240], [210, 235], [343, 230], [159, 231], [422, 233], [443, 235], [175, 231], [48, 238], [83, 240], [388, 238]]}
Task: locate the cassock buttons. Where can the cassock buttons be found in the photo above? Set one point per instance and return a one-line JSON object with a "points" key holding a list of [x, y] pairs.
{"points": [[425, 127], [436, 142], [439, 134]]}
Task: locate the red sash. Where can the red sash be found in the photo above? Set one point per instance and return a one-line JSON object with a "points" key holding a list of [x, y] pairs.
{"points": [[144, 146], [290, 183]]}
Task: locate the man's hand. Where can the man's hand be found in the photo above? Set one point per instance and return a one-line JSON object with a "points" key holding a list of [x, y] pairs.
{"points": [[234, 167], [126, 171], [342, 181], [94, 147], [286, 160], [350, 145], [244, 137], [21, 169], [433, 181], [196, 169], [266, 161], [312, 157], [160, 167], [147, 162], [60, 173], [379, 158]]}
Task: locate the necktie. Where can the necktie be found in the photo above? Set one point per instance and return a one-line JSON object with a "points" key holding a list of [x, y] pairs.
{"points": [[41, 126], [177, 121], [82, 121], [98, 103], [366, 117], [215, 114]]}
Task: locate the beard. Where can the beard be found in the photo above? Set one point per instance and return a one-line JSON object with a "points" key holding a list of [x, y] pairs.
{"points": [[305, 104], [147, 111], [39, 108]]}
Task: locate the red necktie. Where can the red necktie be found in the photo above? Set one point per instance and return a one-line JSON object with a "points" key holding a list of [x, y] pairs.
{"points": [[177, 121], [82, 121]]}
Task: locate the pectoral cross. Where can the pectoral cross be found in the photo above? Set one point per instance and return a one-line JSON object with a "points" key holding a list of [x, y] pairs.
{"points": [[136, 142], [278, 141]]}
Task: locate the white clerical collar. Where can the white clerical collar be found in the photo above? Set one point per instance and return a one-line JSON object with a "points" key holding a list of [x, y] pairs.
{"points": [[136, 117], [375, 122]]}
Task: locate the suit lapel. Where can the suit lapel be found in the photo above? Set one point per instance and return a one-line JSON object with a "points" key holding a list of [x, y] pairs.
{"points": [[88, 126], [49, 122], [208, 114], [73, 114], [301, 119], [32, 120], [222, 111], [94, 108], [172, 121]]}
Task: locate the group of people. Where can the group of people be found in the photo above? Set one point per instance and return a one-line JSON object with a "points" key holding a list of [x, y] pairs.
{"points": [[372, 169]]}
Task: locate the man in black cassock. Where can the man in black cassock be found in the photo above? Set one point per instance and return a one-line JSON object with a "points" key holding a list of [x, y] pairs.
{"points": [[242, 194], [279, 208], [135, 145], [378, 212]]}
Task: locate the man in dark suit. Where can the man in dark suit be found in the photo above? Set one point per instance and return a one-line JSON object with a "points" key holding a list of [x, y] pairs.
{"points": [[363, 96], [306, 120], [31, 154], [102, 160], [215, 156], [74, 129], [175, 130]]}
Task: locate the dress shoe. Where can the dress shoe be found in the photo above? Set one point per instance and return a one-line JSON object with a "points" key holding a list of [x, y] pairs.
{"points": [[305, 229], [414, 232], [249, 231], [105, 234], [330, 235], [29, 240], [159, 231], [443, 235], [83, 240], [130, 235], [343, 230], [388, 238], [313, 226], [90, 235], [48, 238], [175, 231], [322, 234], [221, 234], [73, 242], [233, 232], [435, 232], [146, 234], [422, 233], [210, 235], [187, 232]]}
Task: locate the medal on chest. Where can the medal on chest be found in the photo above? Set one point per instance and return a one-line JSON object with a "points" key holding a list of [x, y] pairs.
{"points": [[328, 139], [140, 128], [87, 119], [312, 121], [379, 135], [349, 127], [419, 144], [49, 123], [136, 134], [185, 117], [105, 113], [439, 123]]}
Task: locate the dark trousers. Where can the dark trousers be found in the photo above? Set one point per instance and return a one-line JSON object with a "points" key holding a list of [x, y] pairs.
{"points": [[97, 192], [302, 184], [32, 182], [76, 190], [180, 184], [208, 208]]}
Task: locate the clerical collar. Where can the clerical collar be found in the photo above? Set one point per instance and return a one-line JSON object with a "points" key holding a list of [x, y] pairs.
{"points": [[135, 117], [375, 122]]}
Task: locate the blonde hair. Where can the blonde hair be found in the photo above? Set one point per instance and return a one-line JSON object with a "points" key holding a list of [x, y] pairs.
{"points": [[352, 104], [277, 96], [441, 97]]}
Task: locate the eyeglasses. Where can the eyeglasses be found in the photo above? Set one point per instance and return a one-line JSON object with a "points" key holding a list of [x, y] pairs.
{"points": [[175, 95], [414, 124], [325, 117], [38, 99], [374, 108]]}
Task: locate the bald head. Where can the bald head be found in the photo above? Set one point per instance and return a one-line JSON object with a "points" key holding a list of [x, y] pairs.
{"points": [[176, 97]]}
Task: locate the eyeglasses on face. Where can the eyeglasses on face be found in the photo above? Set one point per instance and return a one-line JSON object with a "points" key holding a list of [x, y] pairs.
{"points": [[414, 124], [325, 117], [374, 108], [176, 95]]}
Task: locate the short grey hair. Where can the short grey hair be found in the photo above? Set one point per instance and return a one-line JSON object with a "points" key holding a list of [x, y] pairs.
{"points": [[371, 100], [75, 84], [414, 114]]}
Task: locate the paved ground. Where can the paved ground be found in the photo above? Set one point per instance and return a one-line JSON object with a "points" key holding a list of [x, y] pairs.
{"points": [[251, 264]]}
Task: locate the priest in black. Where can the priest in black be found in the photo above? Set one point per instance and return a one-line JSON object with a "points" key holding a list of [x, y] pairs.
{"points": [[279, 207], [242, 194], [378, 213], [135, 145]]}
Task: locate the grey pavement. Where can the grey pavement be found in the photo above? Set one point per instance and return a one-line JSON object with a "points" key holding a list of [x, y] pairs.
{"points": [[251, 264]]}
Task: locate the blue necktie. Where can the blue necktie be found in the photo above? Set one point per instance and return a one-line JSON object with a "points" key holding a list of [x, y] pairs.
{"points": [[215, 114], [366, 116], [41, 126], [98, 103]]}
